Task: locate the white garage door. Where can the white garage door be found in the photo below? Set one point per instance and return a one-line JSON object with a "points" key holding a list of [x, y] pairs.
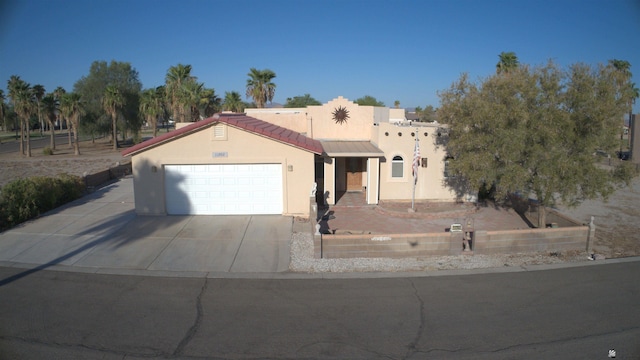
{"points": [[223, 189]]}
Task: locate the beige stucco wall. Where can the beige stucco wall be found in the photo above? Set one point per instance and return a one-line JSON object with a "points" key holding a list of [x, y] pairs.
{"points": [[396, 115], [329, 181], [241, 148], [357, 126], [397, 140], [370, 123], [291, 118], [317, 121]]}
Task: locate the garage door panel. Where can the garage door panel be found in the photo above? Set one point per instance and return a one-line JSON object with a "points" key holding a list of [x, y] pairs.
{"points": [[224, 189]]}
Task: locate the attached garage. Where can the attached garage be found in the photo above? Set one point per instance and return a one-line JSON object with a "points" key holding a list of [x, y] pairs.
{"points": [[229, 164], [224, 189]]}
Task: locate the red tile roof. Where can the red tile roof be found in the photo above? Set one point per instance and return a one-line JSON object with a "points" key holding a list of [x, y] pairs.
{"points": [[240, 121]]}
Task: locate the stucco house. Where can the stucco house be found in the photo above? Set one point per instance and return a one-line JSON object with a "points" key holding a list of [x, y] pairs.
{"points": [[268, 161]]}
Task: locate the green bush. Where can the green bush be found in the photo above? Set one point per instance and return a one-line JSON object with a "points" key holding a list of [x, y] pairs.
{"points": [[24, 199], [47, 151]]}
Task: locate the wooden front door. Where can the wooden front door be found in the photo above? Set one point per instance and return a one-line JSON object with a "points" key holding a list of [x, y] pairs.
{"points": [[355, 169]]}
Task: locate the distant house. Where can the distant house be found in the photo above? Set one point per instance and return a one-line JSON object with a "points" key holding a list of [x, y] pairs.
{"points": [[270, 161], [412, 116]]}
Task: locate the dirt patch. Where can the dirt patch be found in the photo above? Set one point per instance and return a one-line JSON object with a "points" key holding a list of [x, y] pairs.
{"points": [[94, 157], [617, 221]]}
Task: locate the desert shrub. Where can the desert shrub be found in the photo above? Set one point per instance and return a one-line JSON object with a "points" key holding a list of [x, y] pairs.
{"points": [[47, 151], [24, 199]]}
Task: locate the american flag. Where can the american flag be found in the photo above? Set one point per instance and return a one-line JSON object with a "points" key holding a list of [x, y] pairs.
{"points": [[416, 161]]}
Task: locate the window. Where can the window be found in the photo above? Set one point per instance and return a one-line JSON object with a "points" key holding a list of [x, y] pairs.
{"points": [[397, 167], [447, 173]]}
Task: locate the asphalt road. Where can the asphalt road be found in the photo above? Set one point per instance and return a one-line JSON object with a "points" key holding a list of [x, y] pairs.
{"points": [[572, 313], [37, 142]]}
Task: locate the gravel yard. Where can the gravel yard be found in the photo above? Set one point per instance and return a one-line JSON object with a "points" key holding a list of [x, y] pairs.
{"points": [[302, 260]]}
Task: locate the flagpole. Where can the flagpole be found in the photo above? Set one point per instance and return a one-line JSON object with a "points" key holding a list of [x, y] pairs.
{"points": [[415, 164], [413, 197]]}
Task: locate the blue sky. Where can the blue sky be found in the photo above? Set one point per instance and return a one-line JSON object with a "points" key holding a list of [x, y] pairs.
{"points": [[392, 50]]}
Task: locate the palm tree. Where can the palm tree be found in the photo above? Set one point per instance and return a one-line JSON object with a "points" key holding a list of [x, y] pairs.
{"points": [[161, 93], [151, 107], [233, 102], [259, 86], [113, 101], [209, 103], [635, 94], [21, 96], [396, 104], [175, 79], [72, 109], [508, 61], [58, 92], [38, 93], [624, 68], [51, 108], [2, 113], [191, 97]]}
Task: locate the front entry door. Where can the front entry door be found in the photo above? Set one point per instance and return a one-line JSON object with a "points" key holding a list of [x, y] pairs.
{"points": [[355, 169]]}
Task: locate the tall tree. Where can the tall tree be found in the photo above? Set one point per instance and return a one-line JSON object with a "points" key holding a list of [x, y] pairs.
{"points": [[301, 101], [161, 93], [396, 104], [92, 87], [635, 94], [113, 101], [624, 68], [209, 103], [429, 114], [51, 108], [57, 93], [535, 131], [192, 96], [233, 102], [508, 62], [72, 108], [3, 118], [260, 86], [175, 81], [22, 98], [151, 108], [368, 100], [38, 94]]}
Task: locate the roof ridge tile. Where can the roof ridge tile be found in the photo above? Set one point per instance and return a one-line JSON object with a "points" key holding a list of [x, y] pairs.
{"points": [[241, 121]]}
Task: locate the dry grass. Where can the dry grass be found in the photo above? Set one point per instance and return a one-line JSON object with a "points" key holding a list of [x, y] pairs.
{"points": [[93, 157]]}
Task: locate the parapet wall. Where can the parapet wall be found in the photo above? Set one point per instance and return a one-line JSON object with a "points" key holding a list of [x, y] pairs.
{"points": [[531, 240], [450, 243]]}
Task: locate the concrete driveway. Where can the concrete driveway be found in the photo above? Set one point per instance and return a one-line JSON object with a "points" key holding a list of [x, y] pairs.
{"points": [[101, 231]]}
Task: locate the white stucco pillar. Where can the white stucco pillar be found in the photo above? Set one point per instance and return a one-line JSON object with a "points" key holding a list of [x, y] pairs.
{"points": [[373, 180], [330, 181]]}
